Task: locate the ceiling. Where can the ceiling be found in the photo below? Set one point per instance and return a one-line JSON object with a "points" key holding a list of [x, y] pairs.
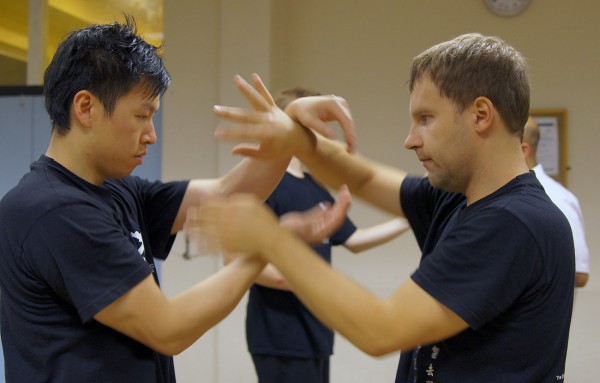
{"points": [[67, 15]]}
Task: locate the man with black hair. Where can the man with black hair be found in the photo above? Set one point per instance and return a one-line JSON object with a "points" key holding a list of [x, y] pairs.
{"points": [[79, 235]]}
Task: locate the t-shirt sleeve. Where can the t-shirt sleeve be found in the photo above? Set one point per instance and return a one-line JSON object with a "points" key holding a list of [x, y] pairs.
{"points": [[160, 203], [84, 257], [341, 235]]}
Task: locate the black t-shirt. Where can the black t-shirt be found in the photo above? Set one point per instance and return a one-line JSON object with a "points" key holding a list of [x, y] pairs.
{"points": [[505, 265], [68, 249], [277, 323]]}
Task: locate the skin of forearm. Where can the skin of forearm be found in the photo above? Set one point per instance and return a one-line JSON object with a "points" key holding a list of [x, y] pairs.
{"points": [[325, 293], [272, 278], [265, 176], [248, 176], [260, 176], [372, 236], [341, 167], [581, 279], [201, 307], [376, 183]]}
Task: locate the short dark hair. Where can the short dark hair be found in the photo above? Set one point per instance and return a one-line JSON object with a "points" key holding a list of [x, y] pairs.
{"points": [[106, 59], [473, 65]]}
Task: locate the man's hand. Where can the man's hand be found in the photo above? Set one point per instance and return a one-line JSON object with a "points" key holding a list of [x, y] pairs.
{"points": [[243, 224], [316, 111], [240, 223], [313, 226], [269, 132]]}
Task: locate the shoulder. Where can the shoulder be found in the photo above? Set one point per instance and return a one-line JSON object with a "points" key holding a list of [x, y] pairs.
{"points": [[525, 209], [48, 188], [141, 188], [525, 198]]}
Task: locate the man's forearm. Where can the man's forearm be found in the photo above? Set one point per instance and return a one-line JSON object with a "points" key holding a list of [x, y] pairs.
{"points": [[325, 292], [201, 307], [254, 176]]}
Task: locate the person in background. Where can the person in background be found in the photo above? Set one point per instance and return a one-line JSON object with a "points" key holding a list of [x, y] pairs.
{"points": [[497, 269], [563, 198], [286, 341], [78, 235]]}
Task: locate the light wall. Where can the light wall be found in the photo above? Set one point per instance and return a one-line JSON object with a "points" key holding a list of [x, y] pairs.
{"points": [[362, 51]]}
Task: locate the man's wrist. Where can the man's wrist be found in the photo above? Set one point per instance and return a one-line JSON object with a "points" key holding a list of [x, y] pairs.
{"points": [[305, 142]]}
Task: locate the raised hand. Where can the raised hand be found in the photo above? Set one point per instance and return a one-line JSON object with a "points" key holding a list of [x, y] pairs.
{"points": [[316, 224], [269, 133], [240, 223], [243, 224]]}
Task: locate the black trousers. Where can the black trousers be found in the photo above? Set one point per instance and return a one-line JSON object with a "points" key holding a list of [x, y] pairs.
{"points": [[276, 369]]}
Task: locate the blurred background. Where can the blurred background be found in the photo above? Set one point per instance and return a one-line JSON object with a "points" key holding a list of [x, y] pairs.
{"points": [[357, 49], [32, 29]]}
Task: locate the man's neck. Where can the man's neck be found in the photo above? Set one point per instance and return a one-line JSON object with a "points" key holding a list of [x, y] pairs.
{"points": [[496, 170], [71, 154]]}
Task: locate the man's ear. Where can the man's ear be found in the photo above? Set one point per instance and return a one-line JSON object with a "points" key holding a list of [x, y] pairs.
{"points": [[484, 114], [526, 149], [82, 107]]}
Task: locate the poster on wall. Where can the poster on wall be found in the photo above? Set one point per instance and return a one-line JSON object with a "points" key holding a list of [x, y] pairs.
{"points": [[552, 147], [548, 146]]}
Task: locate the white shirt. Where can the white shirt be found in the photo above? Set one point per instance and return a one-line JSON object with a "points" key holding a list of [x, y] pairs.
{"points": [[569, 205]]}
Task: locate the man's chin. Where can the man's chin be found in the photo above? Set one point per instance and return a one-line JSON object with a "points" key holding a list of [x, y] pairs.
{"points": [[121, 174], [433, 181], [439, 183]]}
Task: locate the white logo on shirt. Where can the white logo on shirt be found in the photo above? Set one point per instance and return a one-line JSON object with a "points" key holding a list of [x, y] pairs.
{"points": [[435, 350], [430, 370], [137, 235]]}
